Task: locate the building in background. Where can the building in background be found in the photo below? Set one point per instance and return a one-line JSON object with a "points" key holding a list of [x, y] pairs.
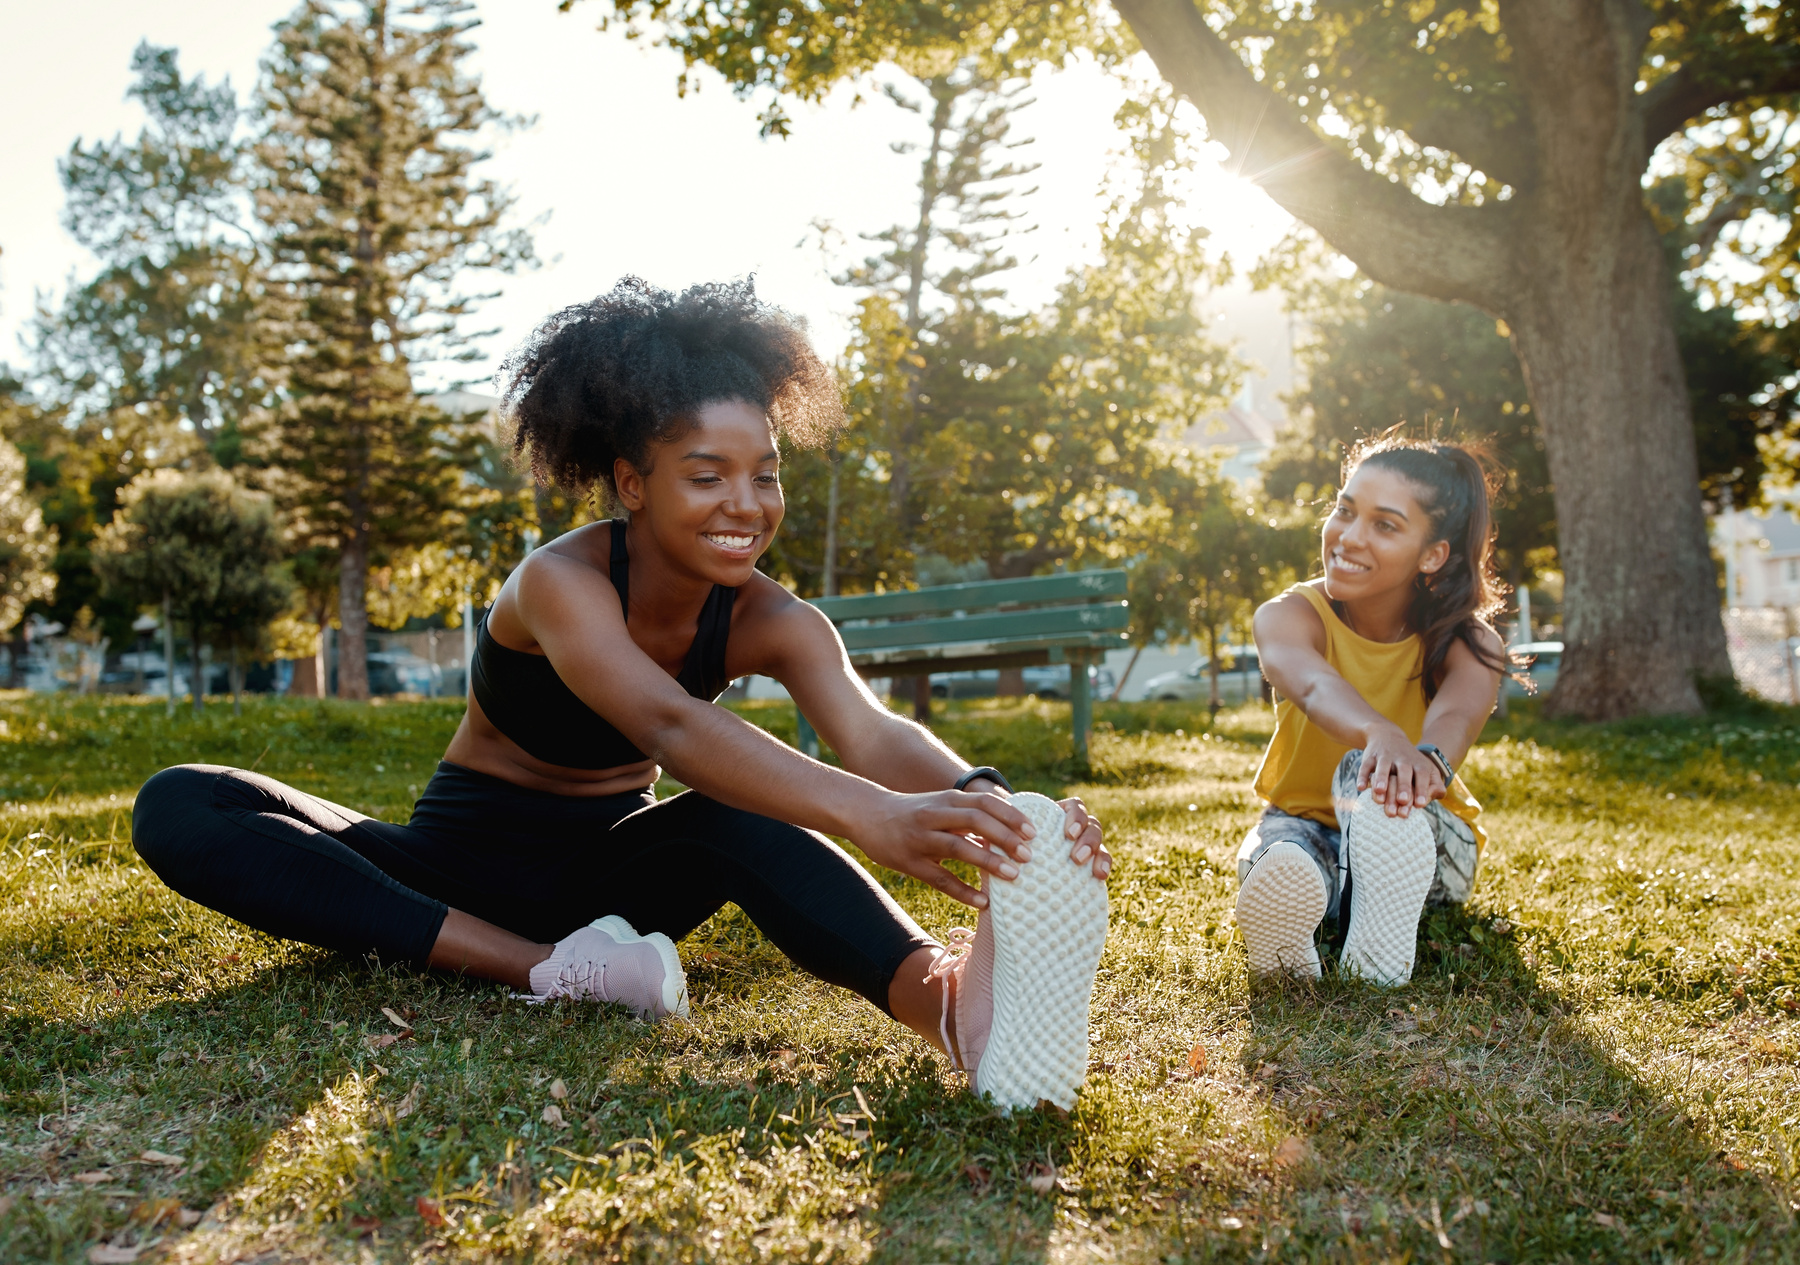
{"points": [[1256, 324], [1761, 549]]}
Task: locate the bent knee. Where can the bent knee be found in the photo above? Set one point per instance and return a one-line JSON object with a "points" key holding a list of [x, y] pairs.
{"points": [[166, 804]]}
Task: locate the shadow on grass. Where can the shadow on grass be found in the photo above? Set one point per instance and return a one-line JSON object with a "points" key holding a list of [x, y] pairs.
{"points": [[1469, 1115]]}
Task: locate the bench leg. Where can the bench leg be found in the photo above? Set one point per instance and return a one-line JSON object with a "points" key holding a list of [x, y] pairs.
{"points": [[1081, 710], [922, 699], [808, 737]]}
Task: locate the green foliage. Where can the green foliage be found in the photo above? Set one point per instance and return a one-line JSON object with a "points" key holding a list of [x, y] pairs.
{"points": [[1019, 441], [166, 338], [1607, 1030], [204, 545], [373, 214], [1217, 551], [27, 546]]}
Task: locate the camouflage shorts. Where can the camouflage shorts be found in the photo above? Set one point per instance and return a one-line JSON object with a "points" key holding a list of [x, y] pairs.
{"points": [[1457, 854]]}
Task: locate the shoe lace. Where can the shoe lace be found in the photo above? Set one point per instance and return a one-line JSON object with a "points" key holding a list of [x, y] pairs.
{"points": [[960, 941], [582, 977]]}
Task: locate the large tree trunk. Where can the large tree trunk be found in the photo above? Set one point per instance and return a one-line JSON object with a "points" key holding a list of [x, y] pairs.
{"points": [[353, 619], [1595, 336]]}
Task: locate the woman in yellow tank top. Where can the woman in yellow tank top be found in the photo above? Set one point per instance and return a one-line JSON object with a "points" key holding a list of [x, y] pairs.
{"points": [[1385, 669]]}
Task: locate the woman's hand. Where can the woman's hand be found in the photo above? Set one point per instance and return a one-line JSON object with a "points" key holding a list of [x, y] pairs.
{"points": [[1399, 775], [1084, 829], [916, 834]]}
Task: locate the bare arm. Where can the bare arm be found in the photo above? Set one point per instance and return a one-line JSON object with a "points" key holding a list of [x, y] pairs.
{"points": [[573, 615], [1464, 700]]}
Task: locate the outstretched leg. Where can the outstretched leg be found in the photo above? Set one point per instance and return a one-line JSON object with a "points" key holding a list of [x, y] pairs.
{"points": [[306, 869]]}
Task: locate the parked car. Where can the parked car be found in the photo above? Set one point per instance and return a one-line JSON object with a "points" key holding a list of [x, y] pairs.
{"points": [[1050, 680], [402, 672], [1240, 678], [1545, 659]]}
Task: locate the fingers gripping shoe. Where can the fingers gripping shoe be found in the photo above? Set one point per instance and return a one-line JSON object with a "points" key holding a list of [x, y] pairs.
{"points": [[1392, 861], [1279, 906], [610, 962], [1023, 981]]}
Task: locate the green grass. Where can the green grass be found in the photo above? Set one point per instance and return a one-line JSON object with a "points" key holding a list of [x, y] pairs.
{"points": [[1597, 1060]]}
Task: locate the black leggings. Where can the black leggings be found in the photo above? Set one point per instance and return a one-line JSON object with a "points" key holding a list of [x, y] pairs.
{"points": [[537, 864]]}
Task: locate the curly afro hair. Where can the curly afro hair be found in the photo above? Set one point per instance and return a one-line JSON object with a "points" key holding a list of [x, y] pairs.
{"points": [[631, 369]]}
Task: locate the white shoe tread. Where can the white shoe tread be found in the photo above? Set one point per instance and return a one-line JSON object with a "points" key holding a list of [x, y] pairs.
{"points": [[1391, 861], [1049, 927], [1279, 907]]}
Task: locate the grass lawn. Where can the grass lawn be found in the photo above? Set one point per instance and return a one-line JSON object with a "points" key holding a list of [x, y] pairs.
{"points": [[1599, 1060]]}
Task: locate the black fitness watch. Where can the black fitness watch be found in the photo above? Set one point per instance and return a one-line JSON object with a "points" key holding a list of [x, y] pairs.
{"points": [[993, 775], [1438, 758]]}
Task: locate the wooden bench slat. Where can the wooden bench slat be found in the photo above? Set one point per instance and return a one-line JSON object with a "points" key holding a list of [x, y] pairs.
{"points": [[960, 655], [1071, 586], [1047, 623]]}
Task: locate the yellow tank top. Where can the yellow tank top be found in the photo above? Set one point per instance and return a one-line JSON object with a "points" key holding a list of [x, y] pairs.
{"points": [[1301, 760]]}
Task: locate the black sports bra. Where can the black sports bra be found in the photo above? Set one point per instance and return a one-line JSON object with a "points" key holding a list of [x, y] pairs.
{"points": [[526, 700]]}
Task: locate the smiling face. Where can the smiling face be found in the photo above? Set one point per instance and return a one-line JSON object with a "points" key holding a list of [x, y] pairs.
{"points": [[1378, 538], [710, 499]]}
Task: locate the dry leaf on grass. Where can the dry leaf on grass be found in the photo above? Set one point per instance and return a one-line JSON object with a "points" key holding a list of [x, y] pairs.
{"points": [[162, 1157], [1606, 1219], [558, 1090], [396, 1020], [1291, 1151], [409, 1104], [107, 1254], [152, 1212], [93, 1178], [386, 1039], [1042, 1177], [978, 1177], [1197, 1060], [6, 1203], [553, 1116], [429, 1210], [188, 1218]]}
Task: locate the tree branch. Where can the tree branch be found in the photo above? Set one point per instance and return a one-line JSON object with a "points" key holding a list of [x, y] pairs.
{"points": [[1454, 253], [1691, 92]]}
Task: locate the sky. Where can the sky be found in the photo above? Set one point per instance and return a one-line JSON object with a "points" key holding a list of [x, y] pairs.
{"points": [[625, 176]]}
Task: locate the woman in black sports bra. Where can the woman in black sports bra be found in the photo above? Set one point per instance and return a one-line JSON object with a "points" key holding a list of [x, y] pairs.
{"points": [[538, 855]]}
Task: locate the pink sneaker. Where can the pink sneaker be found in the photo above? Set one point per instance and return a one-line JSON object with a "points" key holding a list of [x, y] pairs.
{"points": [[1016, 990], [610, 962]]}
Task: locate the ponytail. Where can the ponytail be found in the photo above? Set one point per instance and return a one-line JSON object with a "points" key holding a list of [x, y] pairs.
{"points": [[1460, 600]]}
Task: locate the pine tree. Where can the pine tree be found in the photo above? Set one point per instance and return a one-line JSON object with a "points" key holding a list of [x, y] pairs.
{"points": [[165, 338], [373, 210]]}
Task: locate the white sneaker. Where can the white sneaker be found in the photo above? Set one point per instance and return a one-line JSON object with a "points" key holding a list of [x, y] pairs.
{"points": [[609, 962], [1023, 980], [1279, 907], [1392, 861]]}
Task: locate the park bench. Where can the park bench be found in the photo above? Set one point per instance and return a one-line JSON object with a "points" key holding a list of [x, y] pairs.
{"points": [[1073, 618]]}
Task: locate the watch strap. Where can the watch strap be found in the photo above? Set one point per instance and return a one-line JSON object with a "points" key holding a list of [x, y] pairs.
{"points": [[1440, 759], [991, 774]]}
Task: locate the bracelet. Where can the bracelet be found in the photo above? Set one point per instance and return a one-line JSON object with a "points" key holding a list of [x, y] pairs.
{"points": [[993, 775]]}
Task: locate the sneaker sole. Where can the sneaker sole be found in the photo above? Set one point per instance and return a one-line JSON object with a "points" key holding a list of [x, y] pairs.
{"points": [[1391, 862], [1049, 927], [1279, 907], [675, 993]]}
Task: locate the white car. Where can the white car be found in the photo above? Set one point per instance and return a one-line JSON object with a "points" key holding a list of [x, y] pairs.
{"points": [[1240, 679]]}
